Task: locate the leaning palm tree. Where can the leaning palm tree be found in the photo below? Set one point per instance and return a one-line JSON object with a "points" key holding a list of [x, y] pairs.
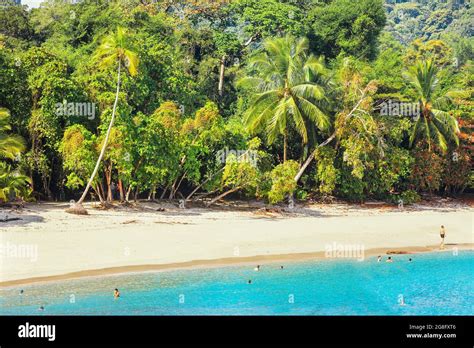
{"points": [[114, 49], [286, 90], [10, 145], [433, 123]]}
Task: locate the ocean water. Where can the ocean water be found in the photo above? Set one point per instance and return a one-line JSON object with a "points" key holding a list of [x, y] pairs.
{"points": [[432, 284]]}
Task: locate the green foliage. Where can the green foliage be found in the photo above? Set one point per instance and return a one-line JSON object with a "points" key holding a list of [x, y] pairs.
{"points": [[269, 17], [406, 197], [286, 90], [239, 175], [282, 181], [426, 174], [78, 153], [12, 183], [434, 124], [172, 120], [457, 175], [408, 20], [347, 27], [10, 145], [326, 171]]}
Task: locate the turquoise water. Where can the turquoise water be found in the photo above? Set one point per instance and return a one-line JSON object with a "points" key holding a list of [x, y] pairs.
{"points": [[432, 284]]}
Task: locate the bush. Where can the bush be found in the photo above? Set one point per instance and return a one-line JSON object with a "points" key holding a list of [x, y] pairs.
{"points": [[406, 197], [427, 170], [283, 183]]}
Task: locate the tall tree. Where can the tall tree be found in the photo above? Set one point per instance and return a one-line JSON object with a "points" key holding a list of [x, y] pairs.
{"points": [[114, 49], [433, 123], [346, 26], [285, 90]]}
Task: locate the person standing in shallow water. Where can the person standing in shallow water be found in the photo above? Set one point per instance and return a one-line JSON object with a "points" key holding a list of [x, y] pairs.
{"points": [[116, 294], [442, 234]]}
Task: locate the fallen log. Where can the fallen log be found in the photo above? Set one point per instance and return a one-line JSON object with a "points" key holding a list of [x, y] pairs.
{"points": [[7, 219]]}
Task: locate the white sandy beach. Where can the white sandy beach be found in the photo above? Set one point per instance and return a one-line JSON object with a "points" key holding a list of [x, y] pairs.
{"points": [[60, 243]]}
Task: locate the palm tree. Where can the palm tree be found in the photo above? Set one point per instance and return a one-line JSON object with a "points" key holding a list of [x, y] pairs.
{"points": [[114, 49], [12, 182], [433, 123], [286, 90], [10, 145]]}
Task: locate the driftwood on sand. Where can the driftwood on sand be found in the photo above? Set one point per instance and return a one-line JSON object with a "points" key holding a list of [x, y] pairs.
{"points": [[7, 219]]}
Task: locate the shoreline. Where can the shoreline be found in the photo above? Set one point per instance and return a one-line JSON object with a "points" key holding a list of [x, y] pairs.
{"points": [[48, 244], [229, 262]]}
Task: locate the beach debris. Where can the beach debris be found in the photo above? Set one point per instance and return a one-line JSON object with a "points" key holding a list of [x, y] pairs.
{"points": [[76, 208], [291, 203], [7, 219], [129, 222], [174, 223], [160, 209], [397, 252], [270, 211]]}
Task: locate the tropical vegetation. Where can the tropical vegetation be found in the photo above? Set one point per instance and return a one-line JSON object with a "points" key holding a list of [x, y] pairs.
{"points": [[274, 100]]}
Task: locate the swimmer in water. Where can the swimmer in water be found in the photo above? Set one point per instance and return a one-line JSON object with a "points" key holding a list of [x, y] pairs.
{"points": [[379, 258], [410, 260], [389, 259], [21, 292], [256, 269], [41, 308], [250, 282], [116, 294], [281, 267]]}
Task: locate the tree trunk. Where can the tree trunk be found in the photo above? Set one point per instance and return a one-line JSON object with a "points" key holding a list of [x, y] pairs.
{"points": [[179, 183], [97, 190], [104, 146], [127, 195], [120, 187], [211, 177], [328, 140], [223, 195], [108, 181], [164, 192], [285, 145], [221, 77], [311, 157], [150, 193], [135, 196]]}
